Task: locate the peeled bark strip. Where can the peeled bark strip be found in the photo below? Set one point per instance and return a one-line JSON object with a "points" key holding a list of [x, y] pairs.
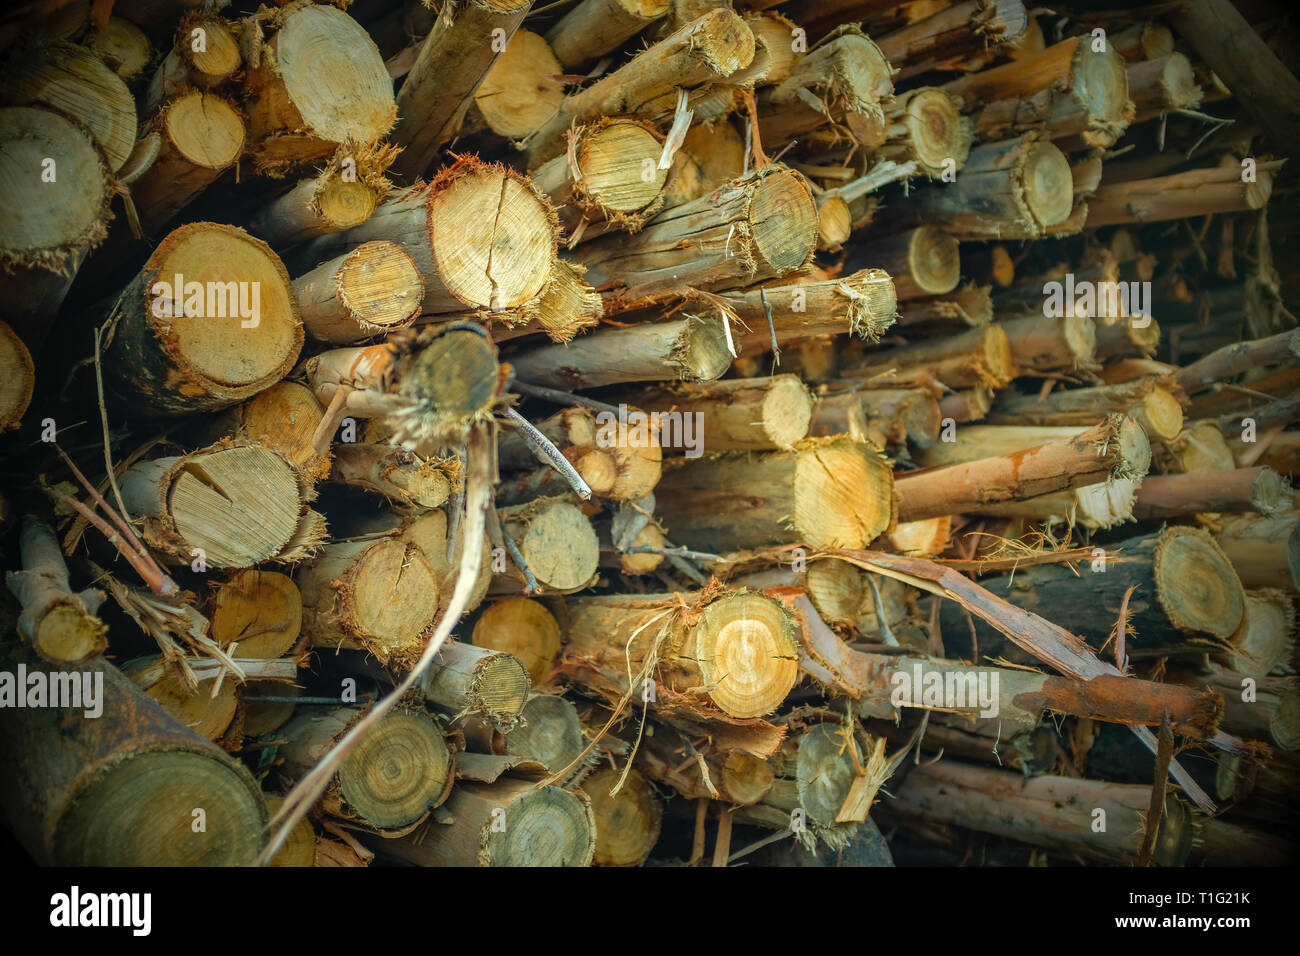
{"points": [[1016, 188], [373, 289], [202, 136], [736, 657], [1069, 91], [377, 594], [1260, 490], [1147, 399], [200, 348], [846, 78], [544, 827], [119, 791], [981, 356], [259, 610], [523, 628], [1188, 599], [691, 350], [992, 473], [621, 467], [17, 378], [236, 505], [704, 51], [739, 414], [397, 473], [521, 91], [922, 262], [763, 226], [627, 823], [73, 81], [339, 198], [451, 65], [59, 624], [482, 236], [862, 304], [1265, 550], [46, 233], [1047, 811], [391, 779], [823, 492], [602, 179], [429, 387], [596, 27], [557, 543], [1046, 343], [283, 418], [1106, 504], [315, 84], [960, 36], [205, 54], [1197, 192], [469, 680]]}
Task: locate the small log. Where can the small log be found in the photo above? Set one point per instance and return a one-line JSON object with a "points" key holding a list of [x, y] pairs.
{"points": [[17, 379], [521, 91], [896, 414], [397, 473], [208, 708], [1115, 448], [846, 78], [523, 628], [960, 309], [741, 414], [452, 63], [1188, 599], [201, 136], [1197, 192], [981, 356], [261, 611], [224, 506], [1199, 447], [627, 823], [1160, 85], [1046, 343], [1146, 399], [59, 624], [691, 350], [73, 81], [373, 289], [702, 52], [544, 827], [124, 47], [316, 83], [1266, 642], [786, 497], [1143, 41], [739, 778], [956, 37], [549, 732], [1224, 363], [711, 154], [737, 657], [1104, 505], [862, 304], [204, 54], [1264, 549], [596, 27], [1260, 490], [467, 680], [1264, 709], [390, 779], [283, 418], [602, 180], [1226, 843], [762, 226], [1121, 339], [136, 766], [922, 261], [557, 543], [969, 405], [568, 305], [1019, 188], [433, 223], [231, 330], [1047, 811], [338, 198]]}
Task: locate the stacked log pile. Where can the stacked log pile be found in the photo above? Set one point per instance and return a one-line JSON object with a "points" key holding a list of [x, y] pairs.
{"points": [[631, 432]]}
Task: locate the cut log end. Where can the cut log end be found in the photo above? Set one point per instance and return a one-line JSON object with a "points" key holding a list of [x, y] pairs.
{"points": [[67, 633], [745, 778], [936, 131], [627, 823], [783, 217], [546, 827], [745, 644], [557, 542], [394, 596], [843, 496], [935, 261], [522, 90], [397, 771], [261, 610], [205, 129], [17, 378], [836, 590], [1048, 184], [834, 222], [1196, 585], [1134, 458], [549, 732], [613, 162], [380, 286]]}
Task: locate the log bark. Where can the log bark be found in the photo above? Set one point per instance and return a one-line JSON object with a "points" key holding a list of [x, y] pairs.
{"points": [[1260, 490], [596, 27], [1280, 349], [1115, 448], [206, 345], [1265, 550], [1197, 192], [318, 82], [390, 780], [374, 289], [118, 790], [339, 197], [399, 474], [922, 262], [1046, 343], [1147, 399], [959, 37], [1104, 505], [981, 356], [741, 414], [862, 304]]}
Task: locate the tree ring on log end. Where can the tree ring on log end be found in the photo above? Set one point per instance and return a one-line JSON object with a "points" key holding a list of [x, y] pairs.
{"points": [[549, 732], [547, 827], [746, 779], [397, 772], [787, 410], [380, 286], [824, 773], [1134, 449], [747, 653], [524, 628], [937, 131], [205, 129], [521, 90], [1196, 585], [783, 217], [935, 260], [627, 823], [394, 596], [612, 159], [843, 493], [560, 546], [1048, 185]]}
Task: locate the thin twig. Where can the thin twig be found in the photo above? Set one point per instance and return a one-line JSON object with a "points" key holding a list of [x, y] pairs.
{"points": [[547, 452]]}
